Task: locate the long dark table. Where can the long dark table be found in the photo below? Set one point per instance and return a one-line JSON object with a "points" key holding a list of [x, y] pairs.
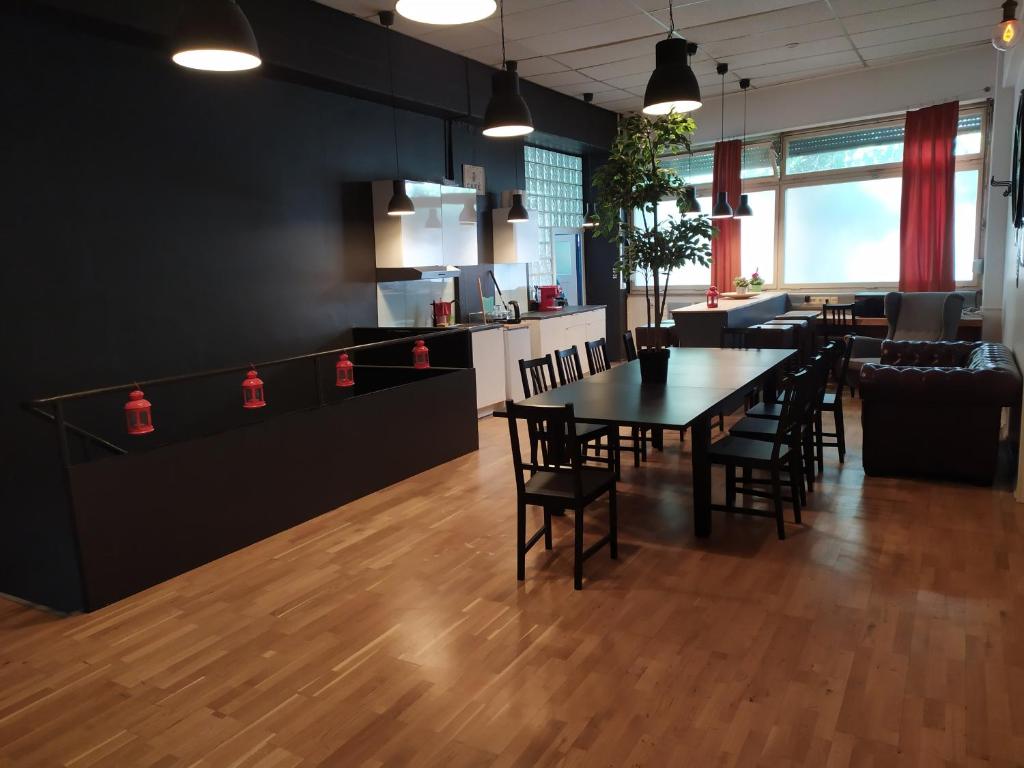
{"points": [[702, 382]]}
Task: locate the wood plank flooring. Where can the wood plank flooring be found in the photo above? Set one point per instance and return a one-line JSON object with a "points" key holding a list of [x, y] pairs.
{"points": [[887, 631]]}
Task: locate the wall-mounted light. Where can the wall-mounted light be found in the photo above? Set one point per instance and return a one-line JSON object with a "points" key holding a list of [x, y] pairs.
{"points": [[446, 11], [215, 36], [1007, 31]]}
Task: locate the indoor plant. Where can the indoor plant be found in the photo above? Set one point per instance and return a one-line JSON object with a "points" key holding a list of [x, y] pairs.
{"points": [[740, 283], [756, 282], [629, 187]]}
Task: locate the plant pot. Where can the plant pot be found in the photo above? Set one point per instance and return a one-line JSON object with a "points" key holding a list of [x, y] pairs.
{"points": [[756, 288], [653, 365], [741, 290]]}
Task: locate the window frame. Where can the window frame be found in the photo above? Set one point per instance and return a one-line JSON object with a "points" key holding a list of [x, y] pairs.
{"points": [[781, 182]]}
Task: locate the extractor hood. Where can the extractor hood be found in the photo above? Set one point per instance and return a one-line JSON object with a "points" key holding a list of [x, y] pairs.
{"points": [[392, 274]]}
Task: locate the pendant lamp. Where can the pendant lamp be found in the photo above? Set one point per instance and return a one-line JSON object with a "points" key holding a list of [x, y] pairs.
{"points": [[445, 11], [215, 36], [722, 209], [507, 113], [400, 203], [591, 220], [1007, 32], [517, 214], [743, 210], [673, 85], [692, 204]]}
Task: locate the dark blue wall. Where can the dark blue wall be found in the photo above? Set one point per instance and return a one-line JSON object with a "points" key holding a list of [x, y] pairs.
{"points": [[159, 221]]}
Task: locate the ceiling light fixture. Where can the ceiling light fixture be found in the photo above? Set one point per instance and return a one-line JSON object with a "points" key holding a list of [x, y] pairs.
{"points": [[517, 214], [400, 204], [672, 86], [215, 36], [591, 220], [446, 11], [507, 113], [1007, 32], [722, 209], [743, 210], [692, 204]]}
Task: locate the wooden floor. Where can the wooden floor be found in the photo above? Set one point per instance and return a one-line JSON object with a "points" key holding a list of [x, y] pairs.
{"points": [[888, 630]]}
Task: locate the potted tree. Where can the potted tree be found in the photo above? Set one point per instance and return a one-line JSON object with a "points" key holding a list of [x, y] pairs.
{"points": [[629, 187]]}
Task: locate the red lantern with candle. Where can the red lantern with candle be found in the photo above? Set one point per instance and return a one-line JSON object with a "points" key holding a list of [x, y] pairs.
{"points": [[712, 297], [344, 372], [420, 355], [252, 391], [138, 414]]}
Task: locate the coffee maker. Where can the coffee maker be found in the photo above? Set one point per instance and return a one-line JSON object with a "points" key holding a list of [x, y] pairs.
{"points": [[548, 296]]}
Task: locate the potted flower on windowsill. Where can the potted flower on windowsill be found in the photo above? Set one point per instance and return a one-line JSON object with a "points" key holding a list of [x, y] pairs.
{"points": [[629, 187], [740, 283], [756, 282]]}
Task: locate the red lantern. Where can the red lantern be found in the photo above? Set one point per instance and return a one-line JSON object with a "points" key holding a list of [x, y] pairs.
{"points": [[344, 372], [252, 391], [712, 296], [420, 355], [138, 414]]}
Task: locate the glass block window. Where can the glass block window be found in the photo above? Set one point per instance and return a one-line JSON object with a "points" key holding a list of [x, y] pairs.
{"points": [[554, 195]]}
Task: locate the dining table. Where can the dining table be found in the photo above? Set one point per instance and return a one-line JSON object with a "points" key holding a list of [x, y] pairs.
{"points": [[701, 383]]}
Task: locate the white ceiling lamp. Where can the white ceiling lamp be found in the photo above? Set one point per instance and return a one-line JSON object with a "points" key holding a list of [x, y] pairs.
{"points": [[215, 36], [446, 11]]}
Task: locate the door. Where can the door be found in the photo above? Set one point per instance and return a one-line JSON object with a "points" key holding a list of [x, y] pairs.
{"points": [[567, 250]]}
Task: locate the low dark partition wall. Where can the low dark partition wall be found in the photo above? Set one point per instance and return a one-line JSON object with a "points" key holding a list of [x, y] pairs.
{"points": [[145, 517]]}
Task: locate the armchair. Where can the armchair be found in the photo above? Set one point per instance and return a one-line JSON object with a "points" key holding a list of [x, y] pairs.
{"points": [[926, 316]]}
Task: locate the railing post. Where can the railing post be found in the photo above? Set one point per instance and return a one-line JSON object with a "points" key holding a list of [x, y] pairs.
{"points": [[65, 461]]}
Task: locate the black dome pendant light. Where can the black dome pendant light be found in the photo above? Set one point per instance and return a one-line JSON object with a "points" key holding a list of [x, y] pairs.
{"points": [[507, 113], [400, 203], [722, 209], [215, 36], [518, 214], [743, 210], [673, 85]]}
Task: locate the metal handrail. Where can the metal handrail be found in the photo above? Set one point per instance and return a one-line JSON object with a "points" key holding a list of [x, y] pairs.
{"points": [[78, 430], [45, 401]]}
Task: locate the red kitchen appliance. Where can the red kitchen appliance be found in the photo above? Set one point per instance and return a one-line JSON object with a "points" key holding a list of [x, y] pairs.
{"points": [[443, 313], [548, 297]]}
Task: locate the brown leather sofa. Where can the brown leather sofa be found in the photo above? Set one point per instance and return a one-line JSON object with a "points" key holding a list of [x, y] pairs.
{"points": [[933, 408]]}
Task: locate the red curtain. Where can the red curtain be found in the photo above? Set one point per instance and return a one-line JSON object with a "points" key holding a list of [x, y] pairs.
{"points": [[926, 215], [725, 248]]}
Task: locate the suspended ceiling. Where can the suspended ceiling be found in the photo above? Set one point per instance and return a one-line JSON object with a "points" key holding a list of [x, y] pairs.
{"points": [[606, 47]]}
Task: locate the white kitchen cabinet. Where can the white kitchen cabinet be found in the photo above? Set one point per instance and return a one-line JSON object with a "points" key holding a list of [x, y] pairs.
{"points": [[489, 363], [517, 347], [563, 331]]}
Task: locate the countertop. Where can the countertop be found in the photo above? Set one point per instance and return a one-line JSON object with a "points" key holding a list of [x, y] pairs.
{"points": [[724, 304], [541, 315]]}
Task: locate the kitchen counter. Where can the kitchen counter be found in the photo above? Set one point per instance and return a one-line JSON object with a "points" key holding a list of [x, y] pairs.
{"points": [[544, 315]]}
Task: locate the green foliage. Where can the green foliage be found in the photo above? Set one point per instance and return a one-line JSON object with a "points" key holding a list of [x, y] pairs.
{"points": [[630, 186]]}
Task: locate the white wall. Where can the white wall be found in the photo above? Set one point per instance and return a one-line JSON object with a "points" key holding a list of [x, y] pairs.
{"points": [[965, 75]]}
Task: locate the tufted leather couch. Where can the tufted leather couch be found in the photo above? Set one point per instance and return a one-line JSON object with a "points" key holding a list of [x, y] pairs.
{"points": [[934, 407]]}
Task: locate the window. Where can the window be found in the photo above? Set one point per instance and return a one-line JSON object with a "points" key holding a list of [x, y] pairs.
{"points": [[554, 195]]}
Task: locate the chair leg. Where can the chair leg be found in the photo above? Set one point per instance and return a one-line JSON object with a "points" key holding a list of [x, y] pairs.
{"points": [[796, 486], [819, 441], [777, 499], [577, 560], [637, 439], [808, 457], [547, 528], [613, 524], [730, 485], [721, 422], [521, 541], [840, 429], [748, 474]]}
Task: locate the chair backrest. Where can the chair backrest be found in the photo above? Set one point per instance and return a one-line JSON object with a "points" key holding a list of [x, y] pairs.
{"points": [[553, 429], [838, 319], [627, 339], [569, 367], [597, 356], [924, 316], [797, 391], [733, 338], [821, 365], [538, 375]]}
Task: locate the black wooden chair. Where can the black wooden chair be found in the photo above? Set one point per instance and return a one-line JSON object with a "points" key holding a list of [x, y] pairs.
{"points": [[777, 453], [839, 320], [627, 340], [832, 402], [734, 338], [570, 369], [558, 480], [538, 377], [636, 441]]}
